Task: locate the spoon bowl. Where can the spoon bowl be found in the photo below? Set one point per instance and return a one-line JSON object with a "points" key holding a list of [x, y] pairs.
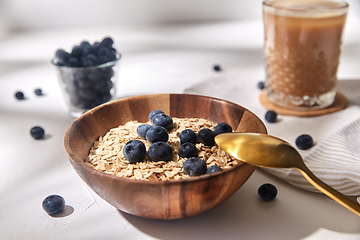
{"points": [[263, 150]]}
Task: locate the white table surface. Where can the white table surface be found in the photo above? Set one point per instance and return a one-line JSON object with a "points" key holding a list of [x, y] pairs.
{"points": [[155, 59]]}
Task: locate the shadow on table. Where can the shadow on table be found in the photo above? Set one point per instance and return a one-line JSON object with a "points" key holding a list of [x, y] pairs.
{"points": [[254, 219], [351, 89]]}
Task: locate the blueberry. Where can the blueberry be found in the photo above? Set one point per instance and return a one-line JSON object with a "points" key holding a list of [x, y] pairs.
{"points": [[84, 44], [37, 132], [142, 130], [89, 49], [195, 166], [77, 52], [187, 135], [103, 51], [153, 113], [213, 169], [261, 85], [157, 134], [87, 93], [38, 92], [267, 191], [206, 136], [217, 68], [134, 151], [304, 142], [103, 59], [187, 150], [222, 128], [271, 116], [163, 120], [53, 204], [90, 60], [72, 62], [160, 151], [62, 55], [107, 42], [20, 95]]}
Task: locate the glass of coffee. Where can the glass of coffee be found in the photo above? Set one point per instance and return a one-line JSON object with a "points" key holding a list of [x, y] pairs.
{"points": [[302, 51]]}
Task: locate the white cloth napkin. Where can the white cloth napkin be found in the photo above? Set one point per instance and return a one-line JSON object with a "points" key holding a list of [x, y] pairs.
{"points": [[335, 157]]}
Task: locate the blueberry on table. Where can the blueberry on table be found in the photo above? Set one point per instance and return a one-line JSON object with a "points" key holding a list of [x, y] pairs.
{"points": [[222, 128], [160, 151], [261, 85], [271, 116], [217, 68], [304, 142], [195, 166], [37, 132], [134, 151], [163, 120], [187, 135], [157, 134], [187, 150], [53, 204], [213, 169], [153, 113], [38, 92], [20, 95], [267, 192], [142, 130], [206, 136]]}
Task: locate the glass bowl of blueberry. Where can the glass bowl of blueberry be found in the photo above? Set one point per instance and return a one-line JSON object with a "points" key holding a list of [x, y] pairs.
{"points": [[87, 74]]}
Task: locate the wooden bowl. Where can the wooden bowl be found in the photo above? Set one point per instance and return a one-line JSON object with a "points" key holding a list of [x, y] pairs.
{"points": [[172, 199]]}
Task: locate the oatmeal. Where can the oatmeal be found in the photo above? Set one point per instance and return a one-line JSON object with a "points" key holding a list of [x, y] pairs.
{"points": [[106, 154]]}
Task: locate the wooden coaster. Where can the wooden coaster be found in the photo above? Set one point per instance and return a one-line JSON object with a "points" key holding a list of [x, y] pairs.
{"points": [[340, 103]]}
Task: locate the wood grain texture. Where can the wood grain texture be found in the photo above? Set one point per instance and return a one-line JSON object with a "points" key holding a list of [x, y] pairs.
{"points": [[159, 199]]}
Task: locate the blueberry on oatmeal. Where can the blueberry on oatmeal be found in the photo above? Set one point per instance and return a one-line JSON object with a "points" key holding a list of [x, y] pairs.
{"points": [[195, 166], [142, 130], [187, 135], [134, 151], [206, 136], [213, 169], [160, 151], [163, 120], [157, 134], [153, 113], [222, 128], [187, 150]]}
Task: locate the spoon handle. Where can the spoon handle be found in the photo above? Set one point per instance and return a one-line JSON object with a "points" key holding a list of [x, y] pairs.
{"points": [[329, 191]]}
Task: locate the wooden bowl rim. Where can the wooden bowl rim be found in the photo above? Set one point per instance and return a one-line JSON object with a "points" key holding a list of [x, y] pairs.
{"points": [[92, 170]]}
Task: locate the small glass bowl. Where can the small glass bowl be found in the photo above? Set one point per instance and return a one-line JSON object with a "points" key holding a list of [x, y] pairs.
{"points": [[87, 87]]}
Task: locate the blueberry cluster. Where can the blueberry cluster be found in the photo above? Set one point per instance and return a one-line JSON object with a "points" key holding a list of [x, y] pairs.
{"points": [[87, 55], [159, 150], [87, 82]]}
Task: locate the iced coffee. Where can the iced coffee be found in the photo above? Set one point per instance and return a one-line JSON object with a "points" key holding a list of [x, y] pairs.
{"points": [[302, 50]]}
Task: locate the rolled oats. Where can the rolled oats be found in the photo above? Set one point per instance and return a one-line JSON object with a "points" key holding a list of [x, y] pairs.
{"points": [[106, 153]]}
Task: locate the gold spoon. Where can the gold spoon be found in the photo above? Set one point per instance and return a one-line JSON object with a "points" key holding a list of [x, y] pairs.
{"points": [[267, 151]]}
